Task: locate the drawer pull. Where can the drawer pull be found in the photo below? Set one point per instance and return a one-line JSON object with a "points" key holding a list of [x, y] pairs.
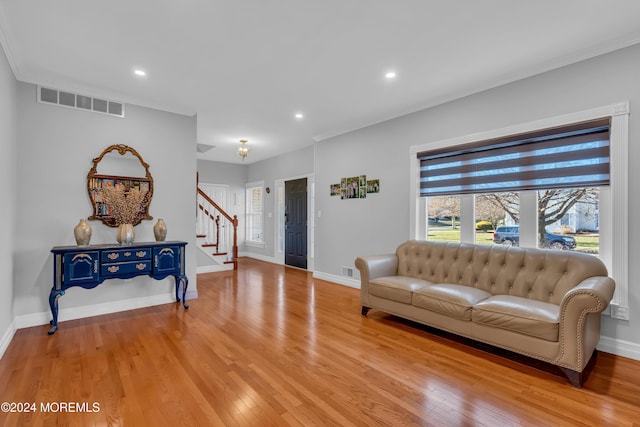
{"points": [[113, 255], [113, 269], [127, 254], [141, 266], [140, 254], [95, 266]]}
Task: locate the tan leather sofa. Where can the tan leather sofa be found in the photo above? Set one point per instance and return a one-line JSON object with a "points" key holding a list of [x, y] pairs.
{"points": [[540, 303]]}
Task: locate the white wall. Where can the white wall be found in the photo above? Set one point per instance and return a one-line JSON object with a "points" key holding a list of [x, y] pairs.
{"points": [[56, 146], [8, 144], [349, 228]]}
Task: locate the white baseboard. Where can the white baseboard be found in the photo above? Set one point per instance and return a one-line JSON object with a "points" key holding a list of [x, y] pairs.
{"points": [[213, 268], [6, 338], [619, 347], [259, 257], [43, 318], [345, 281]]}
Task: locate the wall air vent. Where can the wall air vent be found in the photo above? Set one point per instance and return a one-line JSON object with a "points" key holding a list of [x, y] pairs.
{"points": [[80, 102], [347, 271]]}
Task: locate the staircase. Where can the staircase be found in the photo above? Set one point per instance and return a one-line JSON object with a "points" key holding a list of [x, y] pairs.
{"points": [[217, 234]]}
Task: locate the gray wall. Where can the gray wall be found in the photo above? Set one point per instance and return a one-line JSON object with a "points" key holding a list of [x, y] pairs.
{"points": [[290, 165], [8, 144], [56, 146], [349, 228]]}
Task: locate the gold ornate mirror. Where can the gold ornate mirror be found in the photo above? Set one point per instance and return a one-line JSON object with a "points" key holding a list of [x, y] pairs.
{"points": [[120, 187]]}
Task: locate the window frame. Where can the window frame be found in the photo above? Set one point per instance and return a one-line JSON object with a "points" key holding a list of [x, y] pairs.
{"points": [[249, 187], [614, 218]]}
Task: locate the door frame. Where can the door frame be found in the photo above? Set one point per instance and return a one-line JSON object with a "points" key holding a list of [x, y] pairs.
{"points": [[278, 220]]}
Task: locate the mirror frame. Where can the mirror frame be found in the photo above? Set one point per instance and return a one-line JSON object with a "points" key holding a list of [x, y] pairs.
{"points": [[95, 182]]}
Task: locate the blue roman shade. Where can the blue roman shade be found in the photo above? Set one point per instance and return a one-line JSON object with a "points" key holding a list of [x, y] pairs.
{"points": [[570, 156]]}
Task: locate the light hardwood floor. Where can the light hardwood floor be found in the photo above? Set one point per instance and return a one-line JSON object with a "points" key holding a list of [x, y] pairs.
{"points": [[269, 345]]}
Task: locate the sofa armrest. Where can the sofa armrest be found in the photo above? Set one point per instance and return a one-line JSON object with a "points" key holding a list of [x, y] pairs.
{"points": [[580, 320], [592, 294], [373, 267]]}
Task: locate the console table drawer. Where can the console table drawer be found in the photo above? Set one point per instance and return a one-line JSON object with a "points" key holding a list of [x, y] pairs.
{"points": [[126, 254], [120, 268]]}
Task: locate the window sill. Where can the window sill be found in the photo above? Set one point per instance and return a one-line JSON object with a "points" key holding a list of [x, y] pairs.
{"points": [[255, 244]]}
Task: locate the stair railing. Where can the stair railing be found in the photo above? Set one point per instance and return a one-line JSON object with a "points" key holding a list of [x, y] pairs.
{"points": [[212, 223]]}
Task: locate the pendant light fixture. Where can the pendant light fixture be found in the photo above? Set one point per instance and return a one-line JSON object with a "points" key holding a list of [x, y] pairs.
{"points": [[243, 150]]}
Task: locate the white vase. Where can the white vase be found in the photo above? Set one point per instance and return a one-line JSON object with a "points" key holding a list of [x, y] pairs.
{"points": [[125, 234], [82, 233], [160, 230]]}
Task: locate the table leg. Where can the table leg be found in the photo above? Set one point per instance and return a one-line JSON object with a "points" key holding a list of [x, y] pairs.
{"points": [[185, 284], [53, 304]]}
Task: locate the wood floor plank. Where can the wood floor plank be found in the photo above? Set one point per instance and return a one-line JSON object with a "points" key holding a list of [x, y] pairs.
{"points": [[269, 345]]}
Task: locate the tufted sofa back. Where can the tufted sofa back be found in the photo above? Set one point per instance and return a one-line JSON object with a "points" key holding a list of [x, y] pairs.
{"points": [[543, 275]]}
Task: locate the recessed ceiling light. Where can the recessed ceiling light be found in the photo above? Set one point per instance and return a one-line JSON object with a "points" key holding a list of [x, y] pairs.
{"points": [[390, 74], [140, 73], [299, 115]]}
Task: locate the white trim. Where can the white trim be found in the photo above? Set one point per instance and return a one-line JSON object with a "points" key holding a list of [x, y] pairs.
{"points": [[214, 268], [614, 206], [351, 283], [6, 338], [247, 242], [43, 318], [5, 46], [618, 238], [619, 347], [259, 257], [253, 244], [279, 208]]}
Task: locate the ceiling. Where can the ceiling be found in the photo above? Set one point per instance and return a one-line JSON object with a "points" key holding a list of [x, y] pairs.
{"points": [[245, 67]]}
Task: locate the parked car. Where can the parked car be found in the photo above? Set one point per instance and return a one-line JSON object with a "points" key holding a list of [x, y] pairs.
{"points": [[510, 235]]}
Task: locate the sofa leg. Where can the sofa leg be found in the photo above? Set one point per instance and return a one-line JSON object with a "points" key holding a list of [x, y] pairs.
{"points": [[575, 377], [365, 310]]}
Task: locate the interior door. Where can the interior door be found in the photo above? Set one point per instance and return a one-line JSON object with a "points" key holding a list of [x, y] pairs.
{"points": [[217, 193], [295, 223]]}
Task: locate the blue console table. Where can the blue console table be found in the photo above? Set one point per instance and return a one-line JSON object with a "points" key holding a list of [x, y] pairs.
{"points": [[88, 266]]}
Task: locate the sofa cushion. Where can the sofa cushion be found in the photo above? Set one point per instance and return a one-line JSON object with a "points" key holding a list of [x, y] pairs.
{"points": [[449, 299], [523, 315], [396, 288]]}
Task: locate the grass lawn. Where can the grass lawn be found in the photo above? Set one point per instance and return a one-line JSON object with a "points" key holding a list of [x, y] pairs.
{"points": [[588, 243]]}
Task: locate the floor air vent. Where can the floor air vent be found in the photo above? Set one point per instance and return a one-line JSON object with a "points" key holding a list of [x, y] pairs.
{"points": [[80, 102]]}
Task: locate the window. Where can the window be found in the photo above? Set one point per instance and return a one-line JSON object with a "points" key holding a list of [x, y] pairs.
{"points": [[443, 218], [569, 173], [568, 219], [496, 218], [254, 215]]}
